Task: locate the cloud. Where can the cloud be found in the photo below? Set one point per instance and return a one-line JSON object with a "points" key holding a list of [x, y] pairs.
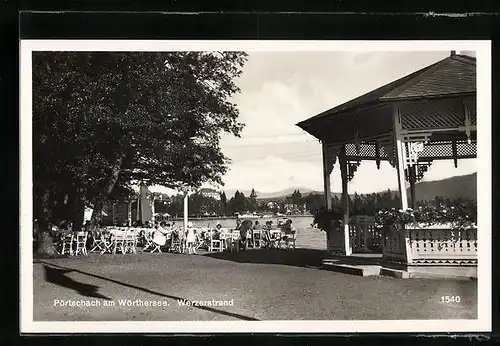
{"points": [[273, 174], [279, 89]]}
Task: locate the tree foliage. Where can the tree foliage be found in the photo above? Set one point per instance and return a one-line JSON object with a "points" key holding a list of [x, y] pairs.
{"points": [[105, 121]]}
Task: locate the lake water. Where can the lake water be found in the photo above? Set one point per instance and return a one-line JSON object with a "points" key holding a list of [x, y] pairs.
{"points": [[307, 237]]}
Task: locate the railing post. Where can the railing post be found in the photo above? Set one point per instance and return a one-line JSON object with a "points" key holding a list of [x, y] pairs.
{"points": [[408, 249]]}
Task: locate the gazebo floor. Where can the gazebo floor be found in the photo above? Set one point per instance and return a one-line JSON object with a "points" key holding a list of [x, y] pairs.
{"points": [[370, 264]]}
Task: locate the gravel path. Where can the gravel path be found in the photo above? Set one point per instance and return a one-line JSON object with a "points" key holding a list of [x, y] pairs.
{"points": [[256, 285]]}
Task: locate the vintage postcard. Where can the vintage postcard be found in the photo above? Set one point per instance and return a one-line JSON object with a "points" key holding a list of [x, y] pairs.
{"points": [[255, 186]]}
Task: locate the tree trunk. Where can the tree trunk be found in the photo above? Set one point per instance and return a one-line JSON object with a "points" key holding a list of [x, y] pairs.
{"points": [[44, 246], [79, 206], [99, 201]]}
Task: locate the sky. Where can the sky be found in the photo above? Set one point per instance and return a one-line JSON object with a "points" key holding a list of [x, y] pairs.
{"points": [[280, 89]]}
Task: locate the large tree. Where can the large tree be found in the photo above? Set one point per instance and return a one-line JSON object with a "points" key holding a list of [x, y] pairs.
{"points": [[103, 121]]}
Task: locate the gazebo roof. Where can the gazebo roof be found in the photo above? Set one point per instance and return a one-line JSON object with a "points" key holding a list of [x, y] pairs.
{"points": [[454, 76]]}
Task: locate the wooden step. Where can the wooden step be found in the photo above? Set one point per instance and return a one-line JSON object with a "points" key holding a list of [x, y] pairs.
{"points": [[350, 266], [360, 270], [395, 273]]}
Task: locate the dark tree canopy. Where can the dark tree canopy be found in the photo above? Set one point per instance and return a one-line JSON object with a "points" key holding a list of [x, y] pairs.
{"points": [[104, 121]]}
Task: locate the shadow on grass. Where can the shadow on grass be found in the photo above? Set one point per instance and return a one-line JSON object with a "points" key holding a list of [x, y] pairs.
{"points": [[58, 277], [62, 270], [298, 258], [290, 257]]}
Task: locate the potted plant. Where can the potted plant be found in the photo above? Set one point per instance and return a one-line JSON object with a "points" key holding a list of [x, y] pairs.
{"points": [[456, 216], [402, 227], [328, 220]]}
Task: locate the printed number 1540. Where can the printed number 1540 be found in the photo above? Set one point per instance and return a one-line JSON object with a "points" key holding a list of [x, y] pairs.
{"points": [[450, 299]]}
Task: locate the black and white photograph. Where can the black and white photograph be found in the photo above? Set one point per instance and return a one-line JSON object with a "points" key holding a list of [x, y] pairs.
{"points": [[323, 186]]}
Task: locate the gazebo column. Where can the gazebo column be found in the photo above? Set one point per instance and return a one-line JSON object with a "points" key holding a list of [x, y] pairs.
{"points": [[412, 178], [138, 215], [400, 157], [345, 199], [129, 213], [327, 170]]}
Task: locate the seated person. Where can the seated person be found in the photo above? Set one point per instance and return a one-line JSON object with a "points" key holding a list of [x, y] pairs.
{"points": [[288, 229], [166, 230], [267, 227], [256, 227], [217, 231]]}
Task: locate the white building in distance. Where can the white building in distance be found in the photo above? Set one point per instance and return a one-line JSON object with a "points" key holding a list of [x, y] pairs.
{"points": [[206, 192]]}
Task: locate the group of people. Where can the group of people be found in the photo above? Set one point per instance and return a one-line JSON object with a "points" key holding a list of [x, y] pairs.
{"points": [[164, 233], [246, 228]]}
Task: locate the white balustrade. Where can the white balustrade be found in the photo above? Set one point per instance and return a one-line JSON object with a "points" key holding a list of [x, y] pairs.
{"points": [[438, 244], [443, 245], [416, 244]]}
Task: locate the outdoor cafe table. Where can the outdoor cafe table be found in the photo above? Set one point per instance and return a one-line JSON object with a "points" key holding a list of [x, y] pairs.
{"points": [[108, 234]]}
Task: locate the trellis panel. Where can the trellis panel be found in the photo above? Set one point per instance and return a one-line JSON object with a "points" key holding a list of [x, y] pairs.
{"points": [[429, 115]]}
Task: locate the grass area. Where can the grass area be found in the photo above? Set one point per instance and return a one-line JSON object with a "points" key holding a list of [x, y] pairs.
{"points": [[263, 285]]}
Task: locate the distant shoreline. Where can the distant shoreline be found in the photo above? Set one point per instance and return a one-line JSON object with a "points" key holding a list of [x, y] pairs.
{"points": [[235, 218]]}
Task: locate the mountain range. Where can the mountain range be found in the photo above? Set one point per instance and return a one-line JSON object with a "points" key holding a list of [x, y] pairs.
{"points": [[464, 186]]}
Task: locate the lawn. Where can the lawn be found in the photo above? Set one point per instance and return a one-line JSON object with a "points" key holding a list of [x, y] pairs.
{"points": [[261, 284]]}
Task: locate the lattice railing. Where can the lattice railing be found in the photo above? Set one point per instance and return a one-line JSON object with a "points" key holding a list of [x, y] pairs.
{"points": [[431, 150], [443, 246], [466, 149], [365, 237], [436, 150], [365, 149]]}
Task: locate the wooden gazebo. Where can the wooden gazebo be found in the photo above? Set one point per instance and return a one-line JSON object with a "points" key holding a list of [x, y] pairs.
{"points": [[425, 116]]}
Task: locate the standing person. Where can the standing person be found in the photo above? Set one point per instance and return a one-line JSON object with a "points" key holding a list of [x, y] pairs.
{"points": [[217, 231], [288, 230], [238, 224], [166, 230], [256, 227], [244, 229], [190, 239]]}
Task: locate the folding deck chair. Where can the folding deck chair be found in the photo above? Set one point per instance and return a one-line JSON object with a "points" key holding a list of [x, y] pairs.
{"points": [[67, 244], [256, 238], [148, 240], [118, 242], [81, 243], [217, 245], [235, 241], [288, 241], [131, 241], [98, 242], [268, 242]]}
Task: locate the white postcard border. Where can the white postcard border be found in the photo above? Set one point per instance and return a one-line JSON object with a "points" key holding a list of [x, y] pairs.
{"points": [[482, 324]]}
